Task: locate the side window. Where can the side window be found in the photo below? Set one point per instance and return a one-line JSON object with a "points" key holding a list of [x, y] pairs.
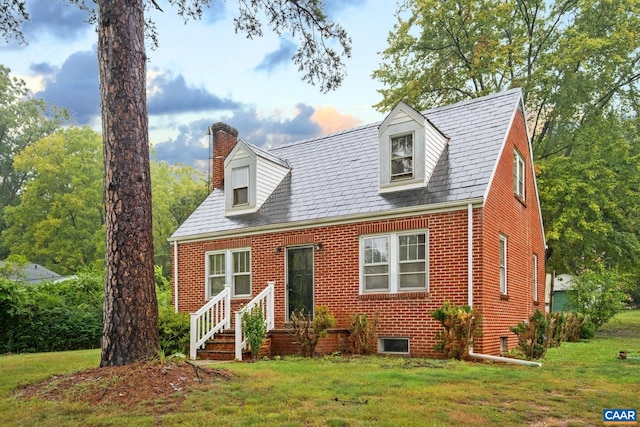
{"points": [[232, 267], [503, 264], [535, 277], [518, 174]]}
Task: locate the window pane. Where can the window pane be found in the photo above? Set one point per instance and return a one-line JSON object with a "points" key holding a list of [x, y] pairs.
{"points": [[240, 177], [216, 285], [241, 262], [376, 250], [401, 167], [240, 196], [376, 269], [242, 284], [414, 280], [412, 267], [216, 264], [395, 345], [412, 247], [376, 282]]}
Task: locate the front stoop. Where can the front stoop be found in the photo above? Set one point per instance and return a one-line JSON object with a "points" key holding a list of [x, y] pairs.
{"points": [[222, 347]]}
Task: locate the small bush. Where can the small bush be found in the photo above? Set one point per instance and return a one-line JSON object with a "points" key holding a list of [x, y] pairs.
{"points": [[308, 331], [555, 329], [532, 336], [173, 330], [587, 329], [254, 329], [363, 334], [461, 328]]}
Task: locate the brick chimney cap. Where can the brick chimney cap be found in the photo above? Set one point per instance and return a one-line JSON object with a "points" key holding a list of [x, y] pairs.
{"points": [[220, 126]]}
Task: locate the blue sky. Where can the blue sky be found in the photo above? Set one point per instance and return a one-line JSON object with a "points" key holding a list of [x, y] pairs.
{"points": [[203, 72]]}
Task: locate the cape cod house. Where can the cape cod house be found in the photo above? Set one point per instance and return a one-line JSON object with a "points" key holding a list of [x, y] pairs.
{"points": [[390, 218]]}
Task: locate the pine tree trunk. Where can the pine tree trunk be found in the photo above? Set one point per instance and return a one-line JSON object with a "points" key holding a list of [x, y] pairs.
{"points": [[130, 331]]}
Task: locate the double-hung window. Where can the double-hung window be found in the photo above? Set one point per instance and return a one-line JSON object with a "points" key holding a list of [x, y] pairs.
{"points": [[240, 183], [232, 267], [503, 264], [402, 157], [518, 174], [394, 262]]}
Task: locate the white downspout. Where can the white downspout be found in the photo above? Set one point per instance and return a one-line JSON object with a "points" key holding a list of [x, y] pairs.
{"points": [[470, 296], [175, 276]]}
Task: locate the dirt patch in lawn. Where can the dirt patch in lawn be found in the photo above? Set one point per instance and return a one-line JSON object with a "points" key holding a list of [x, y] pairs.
{"points": [[127, 386]]}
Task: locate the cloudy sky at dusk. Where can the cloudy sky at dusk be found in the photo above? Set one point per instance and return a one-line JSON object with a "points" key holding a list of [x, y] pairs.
{"points": [[203, 72]]}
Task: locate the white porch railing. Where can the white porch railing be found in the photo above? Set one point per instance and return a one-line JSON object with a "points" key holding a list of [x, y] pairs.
{"points": [[264, 300], [214, 316]]}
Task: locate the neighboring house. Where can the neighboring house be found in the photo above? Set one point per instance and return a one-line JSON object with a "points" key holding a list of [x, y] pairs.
{"points": [[389, 219], [33, 273], [559, 291]]}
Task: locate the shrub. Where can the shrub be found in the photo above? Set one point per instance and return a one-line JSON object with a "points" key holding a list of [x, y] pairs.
{"points": [[363, 334], [254, 329], [173, 331], [555, 329], [461, 328], [532, 336], [308, 331]]}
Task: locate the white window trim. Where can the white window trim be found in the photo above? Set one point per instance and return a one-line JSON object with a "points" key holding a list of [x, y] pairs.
{"points": [[535, 277], [503, 283], [394, 262], [229, 273], [519, 183]]}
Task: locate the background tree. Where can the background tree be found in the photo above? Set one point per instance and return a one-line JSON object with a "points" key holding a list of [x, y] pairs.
{"points": [[23, 121], [130, 305], [59, 221], [177, 190], [578, 64]]}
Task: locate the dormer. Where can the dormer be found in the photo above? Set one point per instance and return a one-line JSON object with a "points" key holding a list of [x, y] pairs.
{"points": [[250, 176], [409, 147]]}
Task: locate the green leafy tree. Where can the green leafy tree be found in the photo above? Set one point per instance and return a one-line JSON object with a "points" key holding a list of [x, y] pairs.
{"points": [[23, 121], [130, 310], [177, 190], [598, 293], [578, 64], [59, 221]]}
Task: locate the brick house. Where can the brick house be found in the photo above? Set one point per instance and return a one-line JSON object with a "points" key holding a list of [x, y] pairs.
{"points": [[393, 218]]}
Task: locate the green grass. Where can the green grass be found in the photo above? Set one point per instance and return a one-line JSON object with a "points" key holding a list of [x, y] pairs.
{"points": [[577, 381]]}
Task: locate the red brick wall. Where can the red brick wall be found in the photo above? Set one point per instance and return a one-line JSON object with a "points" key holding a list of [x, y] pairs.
{"points": [[519, 221], [224, 139], [337, 281]]}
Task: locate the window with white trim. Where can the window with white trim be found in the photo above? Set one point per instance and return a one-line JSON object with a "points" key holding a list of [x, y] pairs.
{"points": [[503, 264], [394, 345], [394, 262], [240, 185], [518, 174], [231, 266], [402, 157], [535, 277]]}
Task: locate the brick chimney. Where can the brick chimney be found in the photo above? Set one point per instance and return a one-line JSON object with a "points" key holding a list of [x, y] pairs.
{"points": [[224, 139]]}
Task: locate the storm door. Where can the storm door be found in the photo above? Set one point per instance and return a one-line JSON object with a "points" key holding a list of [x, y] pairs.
{"points": [[300, 280]]}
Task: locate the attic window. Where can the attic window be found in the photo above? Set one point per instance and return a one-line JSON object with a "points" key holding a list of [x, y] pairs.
{"points": [[402, 157], [240, 182]]}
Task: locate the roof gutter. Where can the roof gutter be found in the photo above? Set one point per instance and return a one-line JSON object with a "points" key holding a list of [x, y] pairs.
{"points": [[470, 296]]}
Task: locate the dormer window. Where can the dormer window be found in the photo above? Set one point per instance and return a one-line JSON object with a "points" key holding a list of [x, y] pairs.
{"points": [[402, 157], [240, 178], [409, 147]]}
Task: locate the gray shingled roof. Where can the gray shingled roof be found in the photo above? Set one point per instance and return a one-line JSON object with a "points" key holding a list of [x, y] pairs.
{"points": [[337, 175]]}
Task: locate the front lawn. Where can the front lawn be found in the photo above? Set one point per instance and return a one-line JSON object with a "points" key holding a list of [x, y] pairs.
{"points": [[576, 382]]}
